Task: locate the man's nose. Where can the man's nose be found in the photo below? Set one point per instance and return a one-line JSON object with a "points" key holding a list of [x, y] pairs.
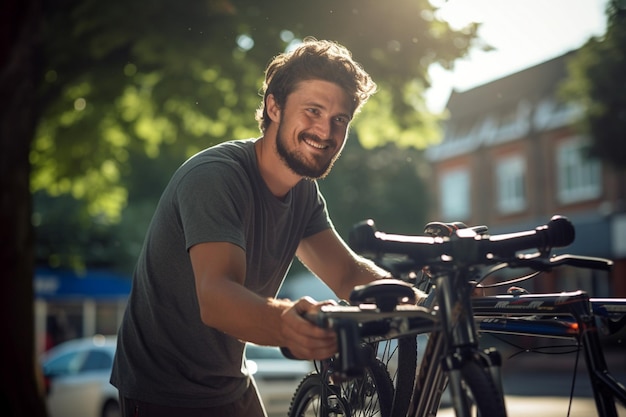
{"points": [[323, 128]]}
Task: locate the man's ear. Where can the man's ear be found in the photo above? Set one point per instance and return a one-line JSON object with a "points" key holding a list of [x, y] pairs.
{"points": [[273, 110]]}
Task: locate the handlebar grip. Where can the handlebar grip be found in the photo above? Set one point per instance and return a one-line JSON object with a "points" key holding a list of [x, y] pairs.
{"points": [[287, 353], [364, 239], [559, 232], [353, 358]]}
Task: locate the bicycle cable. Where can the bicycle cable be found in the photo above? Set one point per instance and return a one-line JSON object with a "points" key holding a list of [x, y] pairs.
{"points": [[499, 267], [542, 350]]}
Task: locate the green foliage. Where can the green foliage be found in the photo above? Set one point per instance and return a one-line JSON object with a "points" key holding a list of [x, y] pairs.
{"points": [[67, 236], [131, 76], [595, 82], [132, 88], [386, 185]]}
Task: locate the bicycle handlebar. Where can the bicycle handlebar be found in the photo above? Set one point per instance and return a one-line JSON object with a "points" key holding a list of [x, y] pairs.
{"points": [[464, 245]]}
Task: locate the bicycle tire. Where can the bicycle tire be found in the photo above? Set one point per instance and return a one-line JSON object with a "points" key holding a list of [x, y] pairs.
{"points": [[479, 387], [481, 391], [367, 396], [403, 364]]}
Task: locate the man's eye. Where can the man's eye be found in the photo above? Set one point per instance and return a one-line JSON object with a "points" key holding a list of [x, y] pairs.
{"points": [[342, 120]]}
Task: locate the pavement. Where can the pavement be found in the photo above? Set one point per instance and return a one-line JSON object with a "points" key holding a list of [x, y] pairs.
{"points": [[539, 385], [559, 362], [545, 407]]}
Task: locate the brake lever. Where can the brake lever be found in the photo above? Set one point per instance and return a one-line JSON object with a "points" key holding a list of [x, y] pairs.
{"points": [[539, 263], [578, 261]]}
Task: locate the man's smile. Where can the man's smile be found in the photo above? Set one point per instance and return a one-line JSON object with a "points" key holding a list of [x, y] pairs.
{"points": [[313, 142]]}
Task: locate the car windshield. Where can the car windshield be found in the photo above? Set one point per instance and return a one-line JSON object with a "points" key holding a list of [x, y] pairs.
{"points": [[66, 364], [263, 352], [97, 360]]}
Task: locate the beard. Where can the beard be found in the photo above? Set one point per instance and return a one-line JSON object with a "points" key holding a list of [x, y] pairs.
{"points": [[298, 163]]}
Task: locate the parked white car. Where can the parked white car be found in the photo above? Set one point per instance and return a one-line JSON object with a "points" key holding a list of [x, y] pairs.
{"points": [[77, 376], [276, 376]]}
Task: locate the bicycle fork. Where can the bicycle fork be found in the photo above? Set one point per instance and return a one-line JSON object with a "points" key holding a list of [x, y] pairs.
{"points": [[605, 388], [457, 320]]}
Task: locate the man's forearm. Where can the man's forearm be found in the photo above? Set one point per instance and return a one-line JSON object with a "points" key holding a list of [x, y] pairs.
{"points": [[238, 312], [364, 271]]}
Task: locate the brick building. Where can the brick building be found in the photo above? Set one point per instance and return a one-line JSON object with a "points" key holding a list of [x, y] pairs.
{"points": [[511, 158]]}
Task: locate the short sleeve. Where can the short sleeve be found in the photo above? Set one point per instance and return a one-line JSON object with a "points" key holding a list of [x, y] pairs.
{"points": [[320, 220], [212, 201]]}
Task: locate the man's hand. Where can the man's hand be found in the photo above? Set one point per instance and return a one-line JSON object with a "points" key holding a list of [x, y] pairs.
{"points": [[304, 339]]}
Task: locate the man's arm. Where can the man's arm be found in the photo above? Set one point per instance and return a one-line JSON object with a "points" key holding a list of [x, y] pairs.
{"points": [[329, 257], [225, 304]]}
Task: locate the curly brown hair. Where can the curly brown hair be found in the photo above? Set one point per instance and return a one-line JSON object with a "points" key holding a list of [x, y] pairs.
{"points": [[314, 60]]}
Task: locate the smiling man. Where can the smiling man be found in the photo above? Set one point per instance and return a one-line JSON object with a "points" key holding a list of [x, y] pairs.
{"points": [[223, 237]]}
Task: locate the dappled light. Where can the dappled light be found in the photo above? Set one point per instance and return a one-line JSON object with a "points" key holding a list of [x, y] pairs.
{"points": [[171, 87], [103, 101]]}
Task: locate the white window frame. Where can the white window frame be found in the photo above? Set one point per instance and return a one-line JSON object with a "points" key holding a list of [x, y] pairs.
{"points": [[454, 187], [579, 178], [511, 184]]}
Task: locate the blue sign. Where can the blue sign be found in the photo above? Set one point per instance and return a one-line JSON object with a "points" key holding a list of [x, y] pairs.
{"points": [[55, 284]]}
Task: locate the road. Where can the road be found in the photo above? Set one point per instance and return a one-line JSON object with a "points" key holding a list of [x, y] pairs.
{"points": [[545, 407], [542, 394], [536, 393], [542, 389]]}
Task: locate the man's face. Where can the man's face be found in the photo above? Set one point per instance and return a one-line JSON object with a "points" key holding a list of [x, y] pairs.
{"points": [[313, 127]]}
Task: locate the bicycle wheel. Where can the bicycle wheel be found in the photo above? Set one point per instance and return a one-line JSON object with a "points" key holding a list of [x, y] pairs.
{"points": [[478, 388], [367, 396], [482, 394], [399, 356]]}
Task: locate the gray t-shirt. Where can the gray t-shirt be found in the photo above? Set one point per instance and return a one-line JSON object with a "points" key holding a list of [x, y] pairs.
{"points": [[165, 354]]}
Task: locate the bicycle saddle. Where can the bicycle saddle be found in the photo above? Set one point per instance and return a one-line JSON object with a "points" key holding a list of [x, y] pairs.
{"points": [[385, 293]]}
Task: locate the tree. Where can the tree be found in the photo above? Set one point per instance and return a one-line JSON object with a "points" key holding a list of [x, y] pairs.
{"points": [[385, 185], [91, 83], [594, 82], [165, 74], [20, 393]]}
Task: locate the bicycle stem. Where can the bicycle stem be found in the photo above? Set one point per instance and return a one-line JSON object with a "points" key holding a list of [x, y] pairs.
{"points": [[455, 309]]}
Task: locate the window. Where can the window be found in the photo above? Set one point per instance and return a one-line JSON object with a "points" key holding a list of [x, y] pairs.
{"points": [[455, 195], [510, 184], [97, 360], [578, 177], [67, 364]]}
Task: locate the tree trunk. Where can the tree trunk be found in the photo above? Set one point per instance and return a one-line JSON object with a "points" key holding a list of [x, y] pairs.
{"points": [[20, 22]]}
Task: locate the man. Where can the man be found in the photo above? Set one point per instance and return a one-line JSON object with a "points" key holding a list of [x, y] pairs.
{"points": [[223, 237]]}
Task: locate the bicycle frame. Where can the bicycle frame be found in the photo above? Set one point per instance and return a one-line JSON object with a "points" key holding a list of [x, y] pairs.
{"points": [[570, 315], [453, 318], [494, 315], [450, 346], [453, 342]]}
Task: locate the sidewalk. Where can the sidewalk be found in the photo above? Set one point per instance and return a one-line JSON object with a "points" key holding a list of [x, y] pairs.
{"points": [[545, 407], [560, 362]]}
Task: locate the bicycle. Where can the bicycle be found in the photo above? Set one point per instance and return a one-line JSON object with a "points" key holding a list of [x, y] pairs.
{"points": [[356, 382]]}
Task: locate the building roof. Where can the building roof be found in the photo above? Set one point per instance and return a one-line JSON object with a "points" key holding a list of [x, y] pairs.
{"points": [[505, 109], [531, 84]]}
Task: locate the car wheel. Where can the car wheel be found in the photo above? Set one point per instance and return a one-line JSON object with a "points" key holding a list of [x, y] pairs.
{"points": [[111, 409]]}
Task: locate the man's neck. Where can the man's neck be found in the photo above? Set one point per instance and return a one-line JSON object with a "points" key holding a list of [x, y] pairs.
{"points": [[276, 174]]}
